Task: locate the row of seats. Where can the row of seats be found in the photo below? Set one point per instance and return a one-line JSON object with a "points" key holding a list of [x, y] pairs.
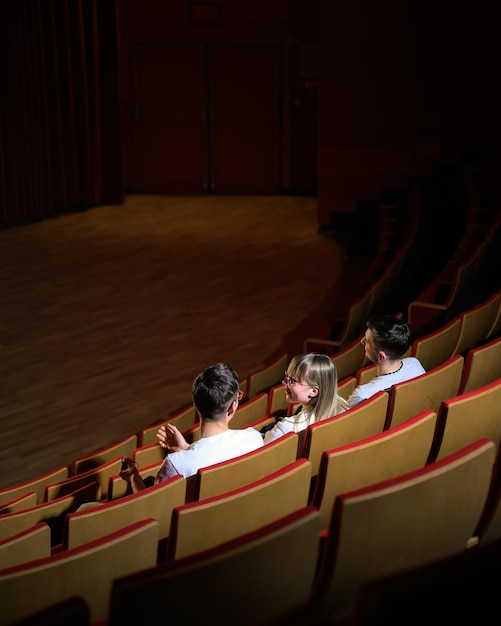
{"points": [[467, 271], [401, 520], [458, 419]]}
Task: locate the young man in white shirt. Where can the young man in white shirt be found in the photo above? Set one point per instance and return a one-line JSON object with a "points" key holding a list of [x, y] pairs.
{"points": [[386, 340], [216, 394]]}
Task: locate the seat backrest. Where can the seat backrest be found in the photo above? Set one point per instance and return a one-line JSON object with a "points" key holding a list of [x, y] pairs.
{"points": [[424, 392], [72, 611], [467, 417], [243, 510], [183, 419], [267, 376], [87, 571], [277, 401], [401, 523], [395, 451], [193, 433], [250, 411], [366, 373], [53, 513], [100, 474], [155, 502], [26, 545], [462, 279], [277, 561], [456, 590], [355, 320], [482, 366], [346, 386], [349, 359], [37, 485], [352, 326], [476, 323], [24, 501], [488, 529], [148, 455], [438, 346], [363, 420], [495, 329], [381, 285], [121, 448], [424, 316], [246, 468]]}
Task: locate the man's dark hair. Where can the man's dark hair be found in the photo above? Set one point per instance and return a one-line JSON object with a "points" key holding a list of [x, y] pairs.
{"points": [[214, 390], [392, 335]]}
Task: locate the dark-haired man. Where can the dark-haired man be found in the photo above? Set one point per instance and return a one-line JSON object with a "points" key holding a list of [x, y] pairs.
{"points": [[386, 340]]}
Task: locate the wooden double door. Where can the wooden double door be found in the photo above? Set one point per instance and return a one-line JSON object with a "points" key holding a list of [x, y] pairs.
{"points": [[205, 118]]}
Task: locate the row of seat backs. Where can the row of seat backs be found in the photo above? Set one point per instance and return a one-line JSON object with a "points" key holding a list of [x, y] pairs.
{"points": [[390, 526], [453, 423], [53, 513], [288, 546], [211, 481], [380, 441], [159, 500], [438, 506], [438, 301], [224, 517], [88, 572], [395, 526], [419, 517], [471, 329], [433, 589], [461, 419]]}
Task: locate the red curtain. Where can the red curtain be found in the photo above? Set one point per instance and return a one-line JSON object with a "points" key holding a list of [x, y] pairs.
{"points": [[60, 139]]}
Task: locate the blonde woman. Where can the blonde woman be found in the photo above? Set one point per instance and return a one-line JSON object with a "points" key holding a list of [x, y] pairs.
{"points": [[310, 381]]}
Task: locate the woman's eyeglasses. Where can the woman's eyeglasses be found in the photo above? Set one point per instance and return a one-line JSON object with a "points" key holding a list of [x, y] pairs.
{"points": [[288, 380]]}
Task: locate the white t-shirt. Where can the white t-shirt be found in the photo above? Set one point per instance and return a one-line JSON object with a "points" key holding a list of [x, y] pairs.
{"points": [[208, 451], [293, 423], [411, 367]]}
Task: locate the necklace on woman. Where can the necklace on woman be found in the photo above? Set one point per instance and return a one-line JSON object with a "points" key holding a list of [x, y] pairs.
{"points": [[397, 370]]}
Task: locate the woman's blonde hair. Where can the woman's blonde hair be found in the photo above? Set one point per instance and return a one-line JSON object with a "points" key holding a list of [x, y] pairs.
{"points": [[318, 370]]}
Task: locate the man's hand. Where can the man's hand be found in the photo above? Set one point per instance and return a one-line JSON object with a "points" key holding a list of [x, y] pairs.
{"points": [[129, 468], [171, 439]]}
